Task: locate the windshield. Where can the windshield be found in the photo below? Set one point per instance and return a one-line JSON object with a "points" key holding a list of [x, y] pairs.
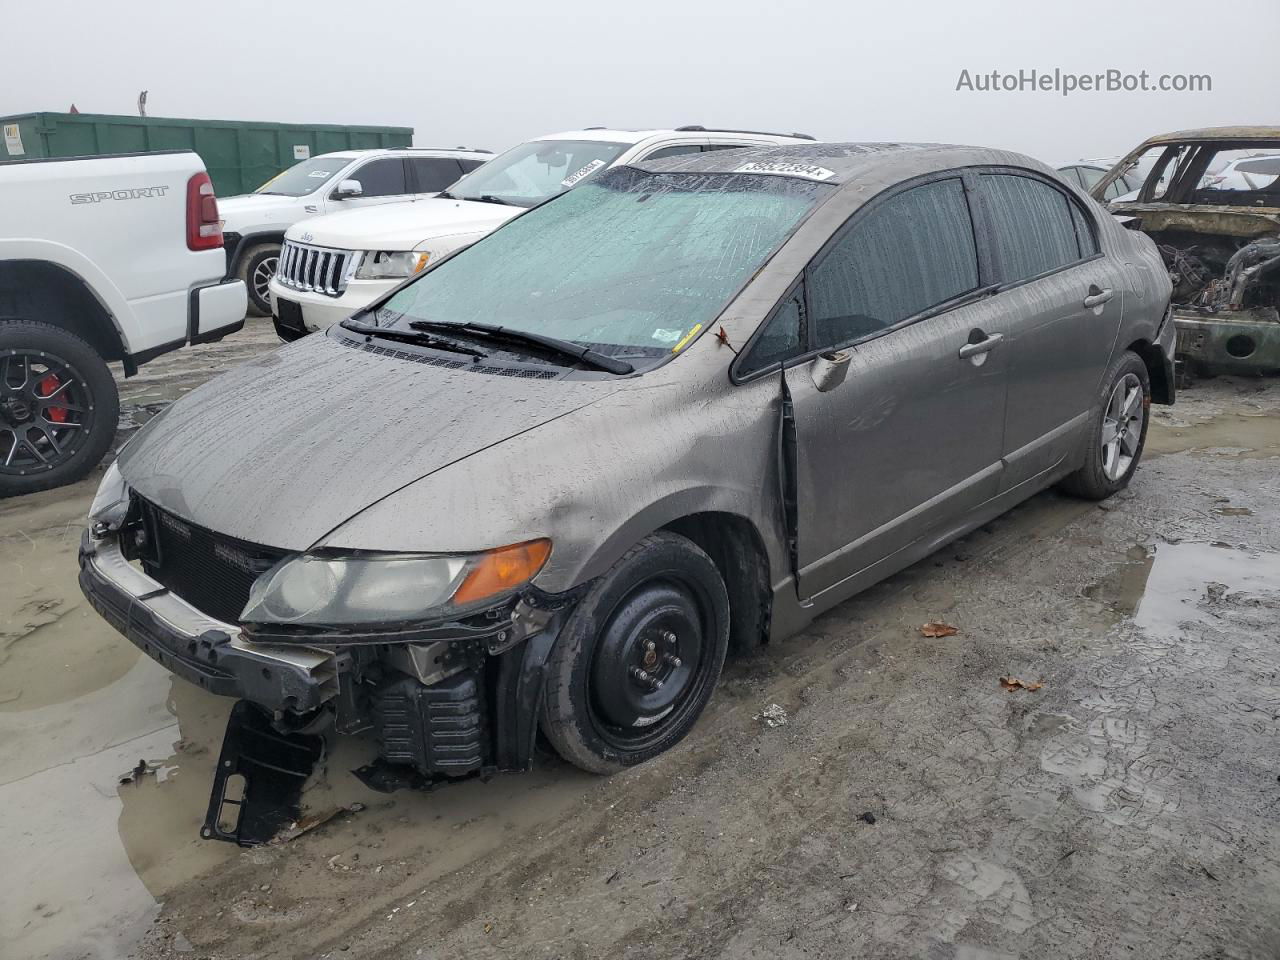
{"points": [[304, 177], [530, 173], [635, 261]]}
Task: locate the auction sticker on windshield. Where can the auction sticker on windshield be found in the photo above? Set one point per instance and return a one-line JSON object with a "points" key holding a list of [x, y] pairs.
{"points": [[785, 168], [586, 171]]}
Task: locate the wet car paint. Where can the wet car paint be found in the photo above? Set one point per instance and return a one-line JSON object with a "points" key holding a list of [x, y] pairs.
{"points": [[68, 735]]}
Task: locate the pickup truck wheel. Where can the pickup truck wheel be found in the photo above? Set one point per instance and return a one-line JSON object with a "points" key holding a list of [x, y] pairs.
{"points": [[639, 657], [257, 266], [58, 407]]}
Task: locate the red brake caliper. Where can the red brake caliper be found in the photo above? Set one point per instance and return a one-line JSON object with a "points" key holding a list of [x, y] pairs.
{"points": [[46, 388]]}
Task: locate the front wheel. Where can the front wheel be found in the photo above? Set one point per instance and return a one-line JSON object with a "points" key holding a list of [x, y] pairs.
{"points": [[58, 407], [257, 266], [639, 658], [1118, 433]]}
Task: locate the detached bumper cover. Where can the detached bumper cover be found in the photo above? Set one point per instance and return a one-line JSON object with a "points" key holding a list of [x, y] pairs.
{"points": [[204, 651]]}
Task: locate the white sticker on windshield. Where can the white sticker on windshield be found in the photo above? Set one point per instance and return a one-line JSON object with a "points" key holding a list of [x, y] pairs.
{"points": [[666, 336], [582, 174], [785, 168], [318, 173]]}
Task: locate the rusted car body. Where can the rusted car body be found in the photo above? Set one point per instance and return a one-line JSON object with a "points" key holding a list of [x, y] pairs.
{"points": [[1219, 240]]}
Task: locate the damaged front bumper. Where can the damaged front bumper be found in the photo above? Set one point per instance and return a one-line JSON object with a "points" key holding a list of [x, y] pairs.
{"points": [[204, 651], [448, 708]]}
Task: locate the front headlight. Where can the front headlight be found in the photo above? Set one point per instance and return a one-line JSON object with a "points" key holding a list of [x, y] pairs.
{"points": [[399, 588], [390, 264], [111, 502]]}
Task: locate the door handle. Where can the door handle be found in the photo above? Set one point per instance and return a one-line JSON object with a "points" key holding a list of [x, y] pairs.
{"points": [[1097, 297], [970, 350]]}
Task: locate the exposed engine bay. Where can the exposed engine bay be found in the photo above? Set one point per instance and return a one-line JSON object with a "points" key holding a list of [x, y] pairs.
{"points": [[1218, 274]]}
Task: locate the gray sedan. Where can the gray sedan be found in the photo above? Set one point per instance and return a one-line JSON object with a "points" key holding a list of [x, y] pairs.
{"points": [[682, 410]]}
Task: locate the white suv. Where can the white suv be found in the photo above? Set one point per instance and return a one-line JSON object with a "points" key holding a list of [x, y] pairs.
{"points": [[254, 224], [334, 265]]}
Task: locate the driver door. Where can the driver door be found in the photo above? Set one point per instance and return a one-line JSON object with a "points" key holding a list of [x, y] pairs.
{"points": [[381, 181]]}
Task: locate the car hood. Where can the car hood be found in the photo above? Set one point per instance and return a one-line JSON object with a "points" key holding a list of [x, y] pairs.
{"points": [[250, 209], [285, 448], [401, 226]]}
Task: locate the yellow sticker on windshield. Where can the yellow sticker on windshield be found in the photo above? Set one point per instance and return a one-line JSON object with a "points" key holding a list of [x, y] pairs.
{"points": [[686, 338]]}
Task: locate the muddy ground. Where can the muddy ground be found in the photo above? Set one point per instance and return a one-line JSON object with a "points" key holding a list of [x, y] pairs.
{"points": [[908, 807]]}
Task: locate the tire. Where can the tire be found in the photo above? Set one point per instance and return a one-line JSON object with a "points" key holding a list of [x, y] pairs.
{"points": [[256, 267], [1101, 476], [43, 444], [663, 607]]}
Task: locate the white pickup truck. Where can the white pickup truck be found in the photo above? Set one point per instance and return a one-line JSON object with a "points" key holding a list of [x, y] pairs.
{"points": [[114, 258]]}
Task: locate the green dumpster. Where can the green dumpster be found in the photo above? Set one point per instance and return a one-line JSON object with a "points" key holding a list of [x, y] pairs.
{"points": [[241, 155]]}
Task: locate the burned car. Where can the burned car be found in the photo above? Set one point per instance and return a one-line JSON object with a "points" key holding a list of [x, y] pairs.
{"points": [[1211, 201], [553, 480]]}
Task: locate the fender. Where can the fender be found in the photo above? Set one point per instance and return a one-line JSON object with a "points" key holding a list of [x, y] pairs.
{"points": [[79, 266]]}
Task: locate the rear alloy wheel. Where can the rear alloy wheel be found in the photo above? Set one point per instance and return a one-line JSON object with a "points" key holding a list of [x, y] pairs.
{"points": [[639, 658], [58, 407], [1119, 431], [257, 266]]}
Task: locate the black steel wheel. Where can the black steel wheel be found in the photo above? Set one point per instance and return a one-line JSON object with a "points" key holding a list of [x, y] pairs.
{"points": [[639, 658], [58, 407]]}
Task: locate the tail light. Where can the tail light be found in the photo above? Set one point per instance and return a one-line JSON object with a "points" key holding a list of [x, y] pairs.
{"points": [[204, 229]]}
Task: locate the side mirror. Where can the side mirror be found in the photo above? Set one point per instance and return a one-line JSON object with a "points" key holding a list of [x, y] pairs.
{"points": [[828, 370], [347, 189]]}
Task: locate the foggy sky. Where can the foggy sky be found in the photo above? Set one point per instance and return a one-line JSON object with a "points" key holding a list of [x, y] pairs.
{"points": [[496, 73]]}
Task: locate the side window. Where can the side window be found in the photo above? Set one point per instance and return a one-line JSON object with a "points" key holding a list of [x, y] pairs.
{"points": [[779, 338], [381, 178], [1089, 176], [1084, 232], [434, 174], [1071, 175], [674, 151], [707, 148], [907, 254], [1034, 228], [469, 165]]}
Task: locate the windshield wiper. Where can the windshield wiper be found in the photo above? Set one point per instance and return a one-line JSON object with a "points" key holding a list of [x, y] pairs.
{"points": [[491, 198], [566, 348], [409, 336]]}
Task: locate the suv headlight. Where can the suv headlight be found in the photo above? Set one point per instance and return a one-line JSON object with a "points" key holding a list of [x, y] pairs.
{"points": [[390, 588], [390, 264]]}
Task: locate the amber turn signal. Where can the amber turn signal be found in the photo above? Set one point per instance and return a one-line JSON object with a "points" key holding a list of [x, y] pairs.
{"points": [[501, 571]]}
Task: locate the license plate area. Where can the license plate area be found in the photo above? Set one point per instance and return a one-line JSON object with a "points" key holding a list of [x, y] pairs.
{"points": [[289, 314]]}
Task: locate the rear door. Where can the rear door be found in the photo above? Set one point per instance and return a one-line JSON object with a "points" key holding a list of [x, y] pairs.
{"points": [[911, 438], [1063, 298]]}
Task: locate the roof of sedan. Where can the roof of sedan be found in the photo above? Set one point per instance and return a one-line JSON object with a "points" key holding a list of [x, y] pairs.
{"points": [[827, 162]]}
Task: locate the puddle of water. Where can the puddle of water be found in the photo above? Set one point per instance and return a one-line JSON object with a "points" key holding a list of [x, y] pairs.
{"points": [[1226, 435], [1172, 583]]}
